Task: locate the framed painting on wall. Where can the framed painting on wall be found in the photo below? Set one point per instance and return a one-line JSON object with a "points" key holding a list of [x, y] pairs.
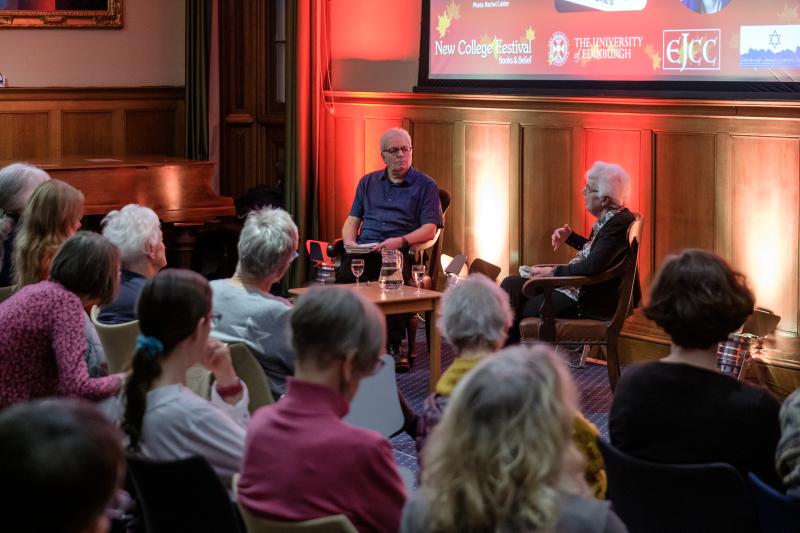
{"points": [[61, 14]]}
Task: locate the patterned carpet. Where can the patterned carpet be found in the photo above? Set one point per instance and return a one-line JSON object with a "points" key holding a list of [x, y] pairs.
{"points": [[592, 383]]}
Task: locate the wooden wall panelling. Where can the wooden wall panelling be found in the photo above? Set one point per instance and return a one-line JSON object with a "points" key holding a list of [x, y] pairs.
{"points": [[49, 123], [684, 190], [24, 135], [433, 155], [349, 167], [723, 237], [373, 129], [456, 233], [765, 221], [487, 183], [514, 196], [546, 192], [646, 208], [150, 132]]}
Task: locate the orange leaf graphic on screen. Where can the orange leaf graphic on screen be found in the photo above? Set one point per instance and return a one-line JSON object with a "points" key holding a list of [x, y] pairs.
{"points": [[530, 34], [454, 11], [789, 14], [444, 24], [654, 56]]}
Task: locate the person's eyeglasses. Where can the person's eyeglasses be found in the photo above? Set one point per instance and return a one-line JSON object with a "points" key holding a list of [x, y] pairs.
{"points": [[587, 190], [215, 319], [397, 151]]}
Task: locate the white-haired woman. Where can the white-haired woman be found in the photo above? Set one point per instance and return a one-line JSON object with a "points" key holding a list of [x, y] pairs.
{"points": [[502, 458], [604, 195], [136, 231], [17, 182], [475, 316], [250, 314]]}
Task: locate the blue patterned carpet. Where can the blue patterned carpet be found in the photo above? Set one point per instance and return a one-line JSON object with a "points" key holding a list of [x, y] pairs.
{"points": [[592, 382]]}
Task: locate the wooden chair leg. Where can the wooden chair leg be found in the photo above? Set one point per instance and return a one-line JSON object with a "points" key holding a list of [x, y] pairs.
{"points": [[612, 360]]}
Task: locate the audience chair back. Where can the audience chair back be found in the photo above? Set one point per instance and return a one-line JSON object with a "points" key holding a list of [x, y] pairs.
{"points": [[118, 340], [588, 332], [777, 513], [183, 495], [665, 498], [329, 524], [252, 374], [5, 293], [376, 405]]}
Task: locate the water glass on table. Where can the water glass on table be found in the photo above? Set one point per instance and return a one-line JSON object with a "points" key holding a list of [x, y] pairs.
{"points": [[417, 274], [357, 268]]}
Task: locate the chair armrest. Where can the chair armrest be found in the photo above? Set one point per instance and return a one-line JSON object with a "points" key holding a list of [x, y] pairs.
{"points": [[417, 249]]}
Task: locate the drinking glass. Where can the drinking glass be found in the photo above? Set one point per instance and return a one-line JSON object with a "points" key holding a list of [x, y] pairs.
{"points": [[357, 268], [417, 273]]}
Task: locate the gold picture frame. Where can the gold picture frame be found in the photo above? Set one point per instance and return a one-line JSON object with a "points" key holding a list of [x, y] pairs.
{"points": [[67, 14]]}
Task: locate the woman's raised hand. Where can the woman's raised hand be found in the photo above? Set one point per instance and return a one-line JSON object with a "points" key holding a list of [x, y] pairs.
{"points": [[217, 359], [560, 236]]}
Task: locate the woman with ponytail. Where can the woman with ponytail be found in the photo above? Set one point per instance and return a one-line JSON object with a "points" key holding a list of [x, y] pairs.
{"points": [[162, 418], [17, 182]]}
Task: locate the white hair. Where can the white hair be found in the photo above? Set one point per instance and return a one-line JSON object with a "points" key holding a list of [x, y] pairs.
{"points": [[17, 182], [476, 314], [612, 181], [134, 229], [392, 132], [267, 242]]}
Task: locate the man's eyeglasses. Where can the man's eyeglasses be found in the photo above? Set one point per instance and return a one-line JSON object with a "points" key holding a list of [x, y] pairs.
{"points": [[397, 151]]}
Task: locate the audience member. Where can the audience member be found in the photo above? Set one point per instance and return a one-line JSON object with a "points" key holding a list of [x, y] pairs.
{"points": [[301, 460], [788, 452], [502, 458], [52, 215], [681, 409], [604, 195], [17, 182], [475, 317], [61, 463], [43, 342], [250, 314], [136, 231], [163, 419]]}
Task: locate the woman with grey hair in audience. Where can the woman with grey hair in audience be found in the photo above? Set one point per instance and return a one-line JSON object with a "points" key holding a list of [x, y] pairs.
{"points": [[475, 317], [604, 195], [250, 314], [17, 182], [136, 231], [301, 460]]}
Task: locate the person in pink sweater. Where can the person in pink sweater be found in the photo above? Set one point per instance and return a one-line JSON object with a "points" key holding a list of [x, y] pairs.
{"points": [[301, 460], [42, 339]]}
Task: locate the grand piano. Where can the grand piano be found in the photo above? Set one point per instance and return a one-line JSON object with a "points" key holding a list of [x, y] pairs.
{"points": [[178, 190]]}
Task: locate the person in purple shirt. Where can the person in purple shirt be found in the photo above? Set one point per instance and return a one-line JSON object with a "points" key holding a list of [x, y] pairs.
{"points": [[301, 461], [394, 208]]}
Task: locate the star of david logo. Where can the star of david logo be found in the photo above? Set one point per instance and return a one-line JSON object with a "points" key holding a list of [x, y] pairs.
{"points": [[774, 39]]}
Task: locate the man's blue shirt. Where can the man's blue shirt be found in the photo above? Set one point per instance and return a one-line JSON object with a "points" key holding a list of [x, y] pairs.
{"points": [[123, 309], [389, 209]]}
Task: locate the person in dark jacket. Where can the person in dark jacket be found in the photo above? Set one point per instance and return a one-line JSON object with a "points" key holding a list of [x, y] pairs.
{"points": [[605, 194]]}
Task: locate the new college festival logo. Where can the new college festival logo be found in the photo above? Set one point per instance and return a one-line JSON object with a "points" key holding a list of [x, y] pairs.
{"points": [[691, 49]]}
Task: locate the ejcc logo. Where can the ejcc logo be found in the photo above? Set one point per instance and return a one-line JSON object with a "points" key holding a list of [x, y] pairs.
{"points": [[691, 49]]}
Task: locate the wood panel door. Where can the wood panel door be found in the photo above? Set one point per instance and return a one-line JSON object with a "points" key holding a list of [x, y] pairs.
{"points": [[252, 60]]}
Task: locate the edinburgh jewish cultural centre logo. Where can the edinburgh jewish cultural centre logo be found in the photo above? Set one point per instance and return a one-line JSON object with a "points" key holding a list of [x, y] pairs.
{"points": [[558, 49], [691, 49], [770, 46]]}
